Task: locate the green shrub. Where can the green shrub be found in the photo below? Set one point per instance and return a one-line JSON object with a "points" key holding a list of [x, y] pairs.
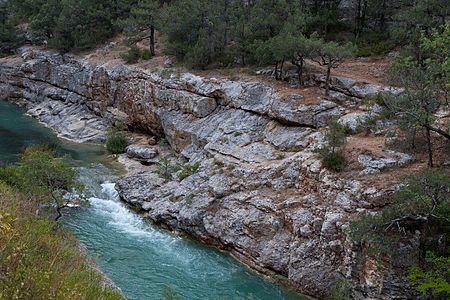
{"points": [[39, 260], [434, 279], [116, 141], [334, 161], [164, 143], [170, 294], [374, 44], [146, 54], [188, 170], [420, 203], [341, 290], [166, 168], [132, 55], [43, 176], [116, 144], [333, 157]]}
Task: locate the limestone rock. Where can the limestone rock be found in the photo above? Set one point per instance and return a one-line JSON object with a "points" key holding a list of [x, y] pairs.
{"points": [[260, 190], [141, 152], [390, 159], [354, 120]]}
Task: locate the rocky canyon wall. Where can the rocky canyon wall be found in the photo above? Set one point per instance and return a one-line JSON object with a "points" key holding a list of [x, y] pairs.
{"points": [[260, 190]]}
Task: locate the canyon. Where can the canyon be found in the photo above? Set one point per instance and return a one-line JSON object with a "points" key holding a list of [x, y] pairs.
{"points": [[260, 191]]}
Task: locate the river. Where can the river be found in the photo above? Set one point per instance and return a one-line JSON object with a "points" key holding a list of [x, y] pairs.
{"points": [[141, 259]]}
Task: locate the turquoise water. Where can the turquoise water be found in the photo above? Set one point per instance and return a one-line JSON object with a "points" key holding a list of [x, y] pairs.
{"points": [[141, 259]]}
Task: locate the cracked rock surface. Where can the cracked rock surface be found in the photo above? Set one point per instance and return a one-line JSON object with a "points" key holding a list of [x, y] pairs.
{"points": [[259, 191]]}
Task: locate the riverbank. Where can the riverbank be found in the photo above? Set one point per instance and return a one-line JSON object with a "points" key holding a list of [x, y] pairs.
{"points": [[259, 190], [40, 259], [141, 259]]}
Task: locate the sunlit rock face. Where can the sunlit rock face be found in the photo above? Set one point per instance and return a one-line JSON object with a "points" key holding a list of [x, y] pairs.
{"points": [[259, 191]]}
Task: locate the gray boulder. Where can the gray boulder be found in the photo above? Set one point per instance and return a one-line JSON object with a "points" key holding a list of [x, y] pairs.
{"points": [[390, 159], [141, 152]]}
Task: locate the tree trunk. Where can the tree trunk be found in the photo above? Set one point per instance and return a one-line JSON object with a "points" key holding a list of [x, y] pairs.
{"points": [[281, 71], [438, 131], [327, 81], [152, 40], [300, 71], [363, 17], [382, 20], [276, 70], [358, 19], [58, 210], [430, 150]]}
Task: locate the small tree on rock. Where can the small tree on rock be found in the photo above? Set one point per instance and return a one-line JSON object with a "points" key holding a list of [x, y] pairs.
{"points": [[304, 49], [330, 55], [333, 157]]}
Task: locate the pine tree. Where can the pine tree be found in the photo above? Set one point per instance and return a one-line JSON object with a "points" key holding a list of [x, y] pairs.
{"points": [[141, 22], [330, 55]]}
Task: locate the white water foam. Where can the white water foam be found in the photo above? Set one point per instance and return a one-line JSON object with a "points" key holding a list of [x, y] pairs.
{"points": [[121, 217]]}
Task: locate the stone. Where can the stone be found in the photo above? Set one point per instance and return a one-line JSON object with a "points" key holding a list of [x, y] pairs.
{"points": [[169, 62], [354, 120], [141, 152], [343, 200], [287, 138], [220, 185], [343, 83], [316, 115], [390, 159], [369, 91], [329, 226]]}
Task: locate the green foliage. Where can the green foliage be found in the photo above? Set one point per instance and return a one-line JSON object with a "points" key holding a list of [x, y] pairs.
{"points": [[116, 141], [421, 202], [435, 52], [67, 24], [435, 280], [195, 30], [417, 18], [426, 86], [334, 161], [141, 22], [40, 260], [9, 37], [146, 54], [370, 122], [188, 170], [342, 290], [336, 135], [374, 44], [132, 55], [333, 157], [82, 24], [170, 294], [202, 32], [166, 168], [163, 142], [44, 177], [330, 55]]}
